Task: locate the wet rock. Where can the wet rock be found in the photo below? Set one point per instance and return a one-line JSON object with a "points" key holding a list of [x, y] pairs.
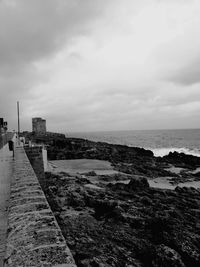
{"points": [[127, 224], [104, 208], [182, 160], [80, 148], [92, 173], [166, 256], [138, 183]]}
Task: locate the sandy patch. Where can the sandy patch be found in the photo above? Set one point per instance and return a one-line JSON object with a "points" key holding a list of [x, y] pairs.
{"points": [[100, 167]]}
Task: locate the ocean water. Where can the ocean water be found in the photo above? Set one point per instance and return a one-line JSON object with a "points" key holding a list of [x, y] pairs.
{"points": [[161, 142]]}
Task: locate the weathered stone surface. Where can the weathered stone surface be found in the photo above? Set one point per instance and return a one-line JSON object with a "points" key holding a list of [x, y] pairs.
{"points": [[34, 155], [130, 160], [182, 160], [126, 224], [138, 183], [34, 237], [166, 257]]}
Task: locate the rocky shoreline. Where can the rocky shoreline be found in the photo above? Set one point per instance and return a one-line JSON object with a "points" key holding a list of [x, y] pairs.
{"points": [[108, 221], [126, 224], [129, 160]]}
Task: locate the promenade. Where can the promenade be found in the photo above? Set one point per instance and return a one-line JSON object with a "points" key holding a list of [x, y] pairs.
{"points": [[6, 171], [34, 238]]}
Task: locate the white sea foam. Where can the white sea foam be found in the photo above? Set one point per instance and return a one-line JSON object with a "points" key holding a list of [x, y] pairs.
{"points": [[160, 152]]}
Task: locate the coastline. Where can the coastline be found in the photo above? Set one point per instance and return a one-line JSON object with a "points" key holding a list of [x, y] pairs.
{"points": [[118, 219], [179, 167], [161, 142], [106, 224]]}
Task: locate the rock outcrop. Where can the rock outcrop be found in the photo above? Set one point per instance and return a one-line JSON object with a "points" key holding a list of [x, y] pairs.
{"points": [[130, 160], [182, 160], [126, 224], [117, 224]]}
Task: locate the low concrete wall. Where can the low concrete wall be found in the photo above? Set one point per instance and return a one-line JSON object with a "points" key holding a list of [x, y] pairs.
{"points": [[34, 237], [4, 138], [35, 157]]}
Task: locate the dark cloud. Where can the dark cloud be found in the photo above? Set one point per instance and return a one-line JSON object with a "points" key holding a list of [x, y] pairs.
{"points": [[187, 75], [31, 30], [87, 63], [34, 30]]}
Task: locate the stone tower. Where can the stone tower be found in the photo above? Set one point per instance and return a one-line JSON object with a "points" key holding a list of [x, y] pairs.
{"points": [[39, 125]]}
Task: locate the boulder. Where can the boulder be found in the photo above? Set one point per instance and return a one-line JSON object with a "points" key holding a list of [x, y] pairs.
{"points": [[138, 183], [166, 256]]}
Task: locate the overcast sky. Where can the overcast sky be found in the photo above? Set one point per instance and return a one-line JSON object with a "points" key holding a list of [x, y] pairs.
{"points": [[88, 65]]}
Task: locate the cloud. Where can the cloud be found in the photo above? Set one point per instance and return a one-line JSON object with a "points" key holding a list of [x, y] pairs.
{"points": [[31, 31], [187, 75], [93, 64], [178, 58]]}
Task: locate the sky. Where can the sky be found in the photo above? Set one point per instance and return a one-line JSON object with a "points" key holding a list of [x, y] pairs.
{"points": [[90, 65]]}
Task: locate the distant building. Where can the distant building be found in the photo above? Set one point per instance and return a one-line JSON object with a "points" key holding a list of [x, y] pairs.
{"points": [[39, 125], [1, 122], [3, 125]]}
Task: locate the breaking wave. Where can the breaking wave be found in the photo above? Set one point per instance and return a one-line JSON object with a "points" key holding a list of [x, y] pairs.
{"points": [[160, 152]]}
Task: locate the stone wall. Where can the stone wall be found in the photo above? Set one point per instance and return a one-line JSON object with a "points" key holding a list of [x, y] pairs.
{"points": [[34, 237], [2, 141], [4, 138], [36, 159]]}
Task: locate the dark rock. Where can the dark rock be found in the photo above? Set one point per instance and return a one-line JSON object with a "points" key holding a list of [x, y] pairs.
{"points": [[138, 183], [127, 225], [166, 256], [105, 208], [92, 173], [182, 160]]}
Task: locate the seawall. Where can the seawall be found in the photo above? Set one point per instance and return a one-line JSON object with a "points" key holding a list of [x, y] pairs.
{"points": [[34, 237], [4, 137], [35, 157]]}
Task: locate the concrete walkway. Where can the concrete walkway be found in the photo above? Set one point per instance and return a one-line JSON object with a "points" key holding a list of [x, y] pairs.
{"points": [[6, 170]]}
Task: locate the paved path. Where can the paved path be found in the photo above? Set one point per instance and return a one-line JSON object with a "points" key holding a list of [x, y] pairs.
{"points": [[6, 169]]}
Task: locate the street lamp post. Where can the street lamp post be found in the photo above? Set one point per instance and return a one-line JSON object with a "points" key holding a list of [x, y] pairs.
{"points": [[18, 121]]}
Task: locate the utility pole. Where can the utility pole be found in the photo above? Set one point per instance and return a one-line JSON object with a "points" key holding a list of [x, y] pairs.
{"points": [[18, 120]]}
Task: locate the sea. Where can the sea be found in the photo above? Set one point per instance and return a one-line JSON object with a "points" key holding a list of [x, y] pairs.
{"points": [[161, 142]]}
